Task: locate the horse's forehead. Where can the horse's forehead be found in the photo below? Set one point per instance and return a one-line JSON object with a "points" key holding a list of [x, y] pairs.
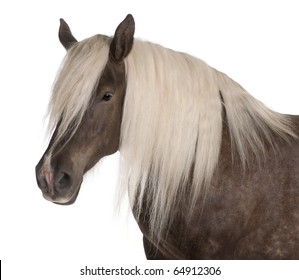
{"points": [[113, 74]]}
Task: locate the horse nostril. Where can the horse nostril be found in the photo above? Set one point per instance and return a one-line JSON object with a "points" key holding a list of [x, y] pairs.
{"points": [[63, 180]]}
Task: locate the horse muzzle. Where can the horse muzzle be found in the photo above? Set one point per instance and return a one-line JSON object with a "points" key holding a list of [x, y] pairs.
{"points": [[57, 185]]}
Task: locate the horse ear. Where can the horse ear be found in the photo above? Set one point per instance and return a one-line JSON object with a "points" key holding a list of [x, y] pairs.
{"points": [[65, 35], [123, 39]]}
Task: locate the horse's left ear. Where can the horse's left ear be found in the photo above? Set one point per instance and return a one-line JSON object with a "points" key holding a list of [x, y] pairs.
{"points": [[65, 35], [123, 39]]}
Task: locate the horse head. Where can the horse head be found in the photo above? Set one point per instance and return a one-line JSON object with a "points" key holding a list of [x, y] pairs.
{"points": [[81, 139]]}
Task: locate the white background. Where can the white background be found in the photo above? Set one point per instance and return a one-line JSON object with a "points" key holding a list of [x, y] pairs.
{"points": [[254, 42]]}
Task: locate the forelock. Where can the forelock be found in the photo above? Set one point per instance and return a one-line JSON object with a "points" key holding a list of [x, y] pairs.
{"points": [[75, 84]]}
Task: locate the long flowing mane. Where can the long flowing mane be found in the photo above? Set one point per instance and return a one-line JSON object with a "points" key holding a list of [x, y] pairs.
{"points": [[172, 128], [172, 120]]}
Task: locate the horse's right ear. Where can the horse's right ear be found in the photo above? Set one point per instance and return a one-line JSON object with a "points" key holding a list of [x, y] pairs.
{"points": [[65, 35], [123, 39]]}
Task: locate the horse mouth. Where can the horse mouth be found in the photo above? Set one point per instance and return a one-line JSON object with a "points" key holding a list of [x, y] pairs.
{"points": [[69, 200]]}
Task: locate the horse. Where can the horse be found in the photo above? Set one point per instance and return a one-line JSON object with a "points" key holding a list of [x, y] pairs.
{"points": [[210, 171]]}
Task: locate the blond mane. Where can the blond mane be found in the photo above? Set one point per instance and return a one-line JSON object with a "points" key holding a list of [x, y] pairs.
{"points": [[172, 128], [172, 120]]}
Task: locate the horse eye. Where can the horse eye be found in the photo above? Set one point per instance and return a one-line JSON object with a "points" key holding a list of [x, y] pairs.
{"points": [[107, 96]]}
